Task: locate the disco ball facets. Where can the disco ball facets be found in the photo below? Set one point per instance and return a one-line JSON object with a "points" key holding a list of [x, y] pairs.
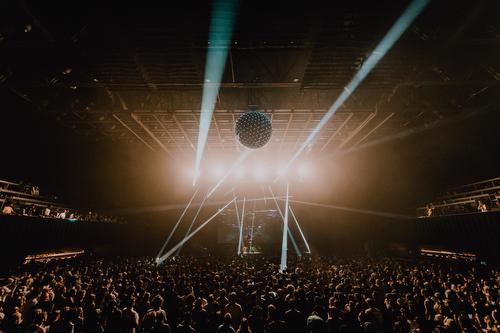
{"points": [[253, 129]]}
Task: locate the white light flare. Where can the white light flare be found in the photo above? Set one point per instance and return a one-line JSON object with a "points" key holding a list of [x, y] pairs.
{"points": [[239, 173], [217, 171], [282, 170], [303, 171], [233, 167], [260, 173]]}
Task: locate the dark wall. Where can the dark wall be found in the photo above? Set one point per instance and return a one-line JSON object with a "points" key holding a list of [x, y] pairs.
{"points": [[478, 233], [339, 233], [27, 235], [343, 232]]}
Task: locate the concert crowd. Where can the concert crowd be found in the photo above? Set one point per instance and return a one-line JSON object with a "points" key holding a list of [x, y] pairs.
{"points": [[212, 294]]}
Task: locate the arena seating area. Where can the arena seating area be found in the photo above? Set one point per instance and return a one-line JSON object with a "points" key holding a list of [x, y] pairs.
{"points": [[211, 294], [480, 196], [25, 199]]}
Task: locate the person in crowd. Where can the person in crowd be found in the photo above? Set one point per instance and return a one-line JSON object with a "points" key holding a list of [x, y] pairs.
{"points": [[155, 319], [294, 319], [371, 316], [481, 206], [46, 212], [227, 325], [185, 325], [200, 315], [38, 325], [244, 327], [35, 191], [113, 315], [130, 317], [316, 324], [274, 324], [8, 209], [429, 211], [234, 309], [62, 214], [16, 323]]}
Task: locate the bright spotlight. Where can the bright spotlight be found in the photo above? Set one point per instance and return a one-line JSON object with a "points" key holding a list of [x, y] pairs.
{"points": [[239, 173], [217, 171], [303, 171], [282, 170], [191, 173], [259, 173]]}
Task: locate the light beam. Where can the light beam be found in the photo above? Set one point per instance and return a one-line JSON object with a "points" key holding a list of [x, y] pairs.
{"points": [[236, 208], [177, 223], [294, 243], [300, 230], [411, 12], [217, 171], [240, 159], [188, 237], [192, 222], [251, 229], [221, 29], [240, 240], [284, 242]]}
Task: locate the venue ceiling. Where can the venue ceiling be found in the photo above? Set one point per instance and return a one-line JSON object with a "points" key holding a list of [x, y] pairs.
{"points": [[136, 74]]}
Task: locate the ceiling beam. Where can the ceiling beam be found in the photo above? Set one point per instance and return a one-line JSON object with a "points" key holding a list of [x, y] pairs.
{"points": [[144, 74], [133, 132], [167, 131], [356, 131], [146, 129], [237, 144], [186, 136], [290, 118], [305, 128], [218, 131], [337, 131], [166, 85], [375, 128]]}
